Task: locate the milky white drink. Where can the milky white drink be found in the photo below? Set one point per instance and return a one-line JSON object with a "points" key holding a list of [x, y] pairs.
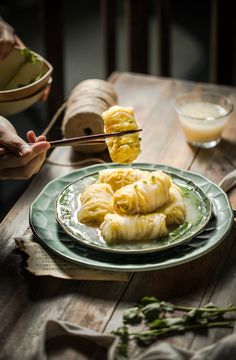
{"points": [[202, 122]]}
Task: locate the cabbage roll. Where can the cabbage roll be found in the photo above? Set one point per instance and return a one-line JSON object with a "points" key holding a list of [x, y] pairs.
{"points": [[122, 149], [175, 208], [118, 178], [143, 196], [119, 228], [96, 202]]}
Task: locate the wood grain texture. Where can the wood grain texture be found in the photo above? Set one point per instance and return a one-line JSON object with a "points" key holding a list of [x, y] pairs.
{"points": [[27, 302]]}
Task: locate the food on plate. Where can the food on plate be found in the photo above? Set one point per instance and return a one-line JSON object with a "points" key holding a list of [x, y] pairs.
{"points": [[143, 196], [96, 202], [120, 177], [119, 228], [174, 210], [122, 149], [130, 205]]}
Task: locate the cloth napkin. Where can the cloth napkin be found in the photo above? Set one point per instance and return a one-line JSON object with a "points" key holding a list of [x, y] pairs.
{"points": [[89, 344], [229, 181]]}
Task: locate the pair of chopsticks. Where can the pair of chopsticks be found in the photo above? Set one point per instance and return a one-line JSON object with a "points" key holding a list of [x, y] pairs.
{"points": [[82, 140], [90, 139]]}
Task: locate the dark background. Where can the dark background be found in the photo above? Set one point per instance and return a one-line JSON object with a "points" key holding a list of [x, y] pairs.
{"points": [[84, 55]]}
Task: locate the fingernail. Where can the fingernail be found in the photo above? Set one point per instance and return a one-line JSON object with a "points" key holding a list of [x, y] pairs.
{"points": [[25, 149]]}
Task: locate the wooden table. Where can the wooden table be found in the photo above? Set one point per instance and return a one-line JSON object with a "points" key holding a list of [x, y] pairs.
{"points": [[26, 302]]}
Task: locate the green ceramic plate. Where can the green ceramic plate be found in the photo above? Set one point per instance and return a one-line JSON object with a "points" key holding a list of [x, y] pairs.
{"points": [[46, 228], [198, 213]]}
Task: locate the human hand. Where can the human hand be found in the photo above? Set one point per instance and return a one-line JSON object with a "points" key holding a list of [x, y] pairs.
{"points": [[8, 39], [23, 160]]}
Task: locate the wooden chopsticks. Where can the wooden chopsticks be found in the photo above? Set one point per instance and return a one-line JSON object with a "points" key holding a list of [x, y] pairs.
{"points": [[81, 140], [91, 139]]}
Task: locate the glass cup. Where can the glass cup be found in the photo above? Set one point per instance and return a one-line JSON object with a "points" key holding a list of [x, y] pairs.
{"points": [[203, 116]]}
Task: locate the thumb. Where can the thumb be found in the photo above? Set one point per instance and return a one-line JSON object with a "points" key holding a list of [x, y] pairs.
{"points": [[15, 144]]}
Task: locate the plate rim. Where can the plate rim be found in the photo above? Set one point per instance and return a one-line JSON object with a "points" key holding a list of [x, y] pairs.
{"points": [[129, 267], [136, 251]]}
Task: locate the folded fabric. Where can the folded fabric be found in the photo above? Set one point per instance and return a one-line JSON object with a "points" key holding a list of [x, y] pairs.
{"points": [[59, 339], [225, 349], [229, 181]]}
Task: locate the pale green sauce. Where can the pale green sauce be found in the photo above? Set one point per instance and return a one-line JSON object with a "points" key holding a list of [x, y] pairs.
{"points": [[65, 214], [175, 234], [66, 197], [196, 214]]}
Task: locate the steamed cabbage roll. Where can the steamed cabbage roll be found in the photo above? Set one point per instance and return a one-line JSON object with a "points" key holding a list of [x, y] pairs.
{"points": [[143, 196], [175, 208], [122, 149], [118, 178], [118, 228], [96, 202]]}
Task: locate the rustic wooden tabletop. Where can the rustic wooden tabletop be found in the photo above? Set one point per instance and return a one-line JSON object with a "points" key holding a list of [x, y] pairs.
{"points": [[27, 302]]}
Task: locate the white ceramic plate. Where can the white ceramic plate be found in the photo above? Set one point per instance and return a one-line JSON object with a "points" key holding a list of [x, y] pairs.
{"points": [[198, 213]]}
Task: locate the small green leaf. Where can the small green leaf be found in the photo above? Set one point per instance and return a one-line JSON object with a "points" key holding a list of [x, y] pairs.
{"points": [[166, 322], [158, 324], [144, 338], [152, 311], [166, 306], [211, 306], [122, 349], [132, 316], [148, 300]]}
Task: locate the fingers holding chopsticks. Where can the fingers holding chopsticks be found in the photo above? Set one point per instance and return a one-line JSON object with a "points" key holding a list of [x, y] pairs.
{"points": [[38, 139], [33, 138], [11, 160], [22, 161]]}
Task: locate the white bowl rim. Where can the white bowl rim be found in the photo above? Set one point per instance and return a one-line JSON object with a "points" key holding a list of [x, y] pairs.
{"points": [[41, 58], [29, 96], [202, 92]]}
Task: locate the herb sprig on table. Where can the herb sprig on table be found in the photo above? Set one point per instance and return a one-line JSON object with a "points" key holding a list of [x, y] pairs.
{"points": [[160, 319]]}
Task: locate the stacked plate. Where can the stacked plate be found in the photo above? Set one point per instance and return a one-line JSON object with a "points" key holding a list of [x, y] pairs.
{"points": [[53, 219], [24, 76]]}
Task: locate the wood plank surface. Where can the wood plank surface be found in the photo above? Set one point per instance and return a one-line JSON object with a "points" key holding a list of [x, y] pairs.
{"points": [[26, 302]]}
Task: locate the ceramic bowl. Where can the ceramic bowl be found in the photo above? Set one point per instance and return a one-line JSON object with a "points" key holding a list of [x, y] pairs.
{"points": [[22, 74], [8, 108]]}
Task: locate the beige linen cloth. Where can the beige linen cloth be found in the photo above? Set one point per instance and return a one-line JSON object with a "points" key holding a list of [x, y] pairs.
{"points": [[91, 345]]}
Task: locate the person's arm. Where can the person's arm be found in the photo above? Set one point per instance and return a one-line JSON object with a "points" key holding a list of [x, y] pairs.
{"points": [[23, 160], [8, 39]]}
